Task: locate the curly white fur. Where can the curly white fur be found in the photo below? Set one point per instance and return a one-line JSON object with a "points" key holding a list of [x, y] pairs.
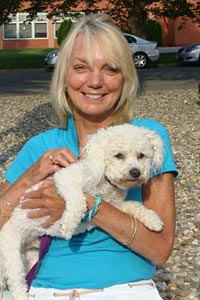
{"points": [[114, 160]]}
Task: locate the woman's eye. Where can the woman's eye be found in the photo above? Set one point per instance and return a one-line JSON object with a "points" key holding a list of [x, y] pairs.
{"points": [[80, 68], [111, 70], [119, 156], [140, 155]]}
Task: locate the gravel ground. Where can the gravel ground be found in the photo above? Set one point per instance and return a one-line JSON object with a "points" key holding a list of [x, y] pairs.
{"points": [[179, 111]]}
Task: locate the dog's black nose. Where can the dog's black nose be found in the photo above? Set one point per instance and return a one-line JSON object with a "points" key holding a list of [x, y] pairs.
{"points": [[135, 173]]}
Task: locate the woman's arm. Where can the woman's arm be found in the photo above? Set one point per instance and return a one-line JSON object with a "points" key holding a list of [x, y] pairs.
{"points": [[158, 195], [5, 187]]}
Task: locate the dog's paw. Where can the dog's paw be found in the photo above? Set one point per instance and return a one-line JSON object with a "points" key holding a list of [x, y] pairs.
{"points": [[153, 221]]}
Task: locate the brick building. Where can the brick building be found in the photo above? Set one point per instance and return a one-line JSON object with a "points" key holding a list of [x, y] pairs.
{"points": [[41, 32]]}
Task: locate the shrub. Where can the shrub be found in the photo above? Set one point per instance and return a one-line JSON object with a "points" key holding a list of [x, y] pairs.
{"points": [[63, 30], [154, 32]]}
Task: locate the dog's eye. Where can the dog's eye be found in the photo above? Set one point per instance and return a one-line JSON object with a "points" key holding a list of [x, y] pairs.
{"points": [[140, 156], [119, 156]]}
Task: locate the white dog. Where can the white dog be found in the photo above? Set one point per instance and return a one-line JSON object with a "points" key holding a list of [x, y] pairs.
{"points": [[114, 160]]}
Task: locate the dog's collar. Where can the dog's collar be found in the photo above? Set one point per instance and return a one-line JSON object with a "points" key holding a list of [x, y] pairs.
{"points": [[108, 180]]}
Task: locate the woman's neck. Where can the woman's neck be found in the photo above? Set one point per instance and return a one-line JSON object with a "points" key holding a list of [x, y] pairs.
{"points": [[87, 127]]}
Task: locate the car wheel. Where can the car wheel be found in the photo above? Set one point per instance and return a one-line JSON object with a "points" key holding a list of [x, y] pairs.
{"points": [[141, 60]]}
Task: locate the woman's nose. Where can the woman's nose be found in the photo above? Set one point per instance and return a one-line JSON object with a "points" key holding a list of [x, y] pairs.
{"points": [[95, 79]]}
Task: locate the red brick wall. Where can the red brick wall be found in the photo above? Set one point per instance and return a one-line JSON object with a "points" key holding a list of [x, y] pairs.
{"points": [[172, 36], [190, 34]]}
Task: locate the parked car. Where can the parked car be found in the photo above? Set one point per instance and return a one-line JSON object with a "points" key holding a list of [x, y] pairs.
{"points": [[144, 52], [50, 59], [189, 54]]}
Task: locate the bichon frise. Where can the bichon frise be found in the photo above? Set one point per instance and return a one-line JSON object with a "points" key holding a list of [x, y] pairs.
{"points": [[114, 160]]}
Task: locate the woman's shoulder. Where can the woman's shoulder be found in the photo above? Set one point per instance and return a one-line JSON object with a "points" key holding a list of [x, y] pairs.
{"points": [[151, 124], [33, 149], [50, 132], [48, 136]]}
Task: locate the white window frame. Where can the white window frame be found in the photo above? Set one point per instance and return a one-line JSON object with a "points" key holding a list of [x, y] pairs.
{"points": [[42, 20]]}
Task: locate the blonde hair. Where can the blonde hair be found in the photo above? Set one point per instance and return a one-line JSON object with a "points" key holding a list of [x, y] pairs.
{"points": [[98, 28]]}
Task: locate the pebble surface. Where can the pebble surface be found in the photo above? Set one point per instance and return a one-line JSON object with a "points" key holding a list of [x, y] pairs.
{"points": [[179, 110]]}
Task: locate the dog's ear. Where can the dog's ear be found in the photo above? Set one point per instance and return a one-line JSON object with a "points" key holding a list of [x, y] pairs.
{"points": [[93, 157], [158, 151]]}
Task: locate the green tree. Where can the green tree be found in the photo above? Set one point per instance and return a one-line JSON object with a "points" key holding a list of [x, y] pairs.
{"points": [[154, 32], [8, 7], [137, 11], [63, 30], [128, 13], [64, 8]]}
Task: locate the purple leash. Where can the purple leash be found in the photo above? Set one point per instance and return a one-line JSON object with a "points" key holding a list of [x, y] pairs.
{"points": [[44, 246]]}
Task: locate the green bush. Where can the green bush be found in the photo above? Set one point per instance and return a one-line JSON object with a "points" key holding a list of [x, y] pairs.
{"points": [[154, 32], [126, 29], [63, 30]]}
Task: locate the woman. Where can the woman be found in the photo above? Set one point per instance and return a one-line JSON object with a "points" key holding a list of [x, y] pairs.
{"points": [[93, 86]]}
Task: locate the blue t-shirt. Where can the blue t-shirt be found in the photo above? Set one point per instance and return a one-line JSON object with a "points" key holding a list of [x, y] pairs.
{"points": [[93, 259]]}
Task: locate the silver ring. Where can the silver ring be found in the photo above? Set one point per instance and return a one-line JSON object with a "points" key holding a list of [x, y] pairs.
{"points": [[51, 157], [8, 203]]}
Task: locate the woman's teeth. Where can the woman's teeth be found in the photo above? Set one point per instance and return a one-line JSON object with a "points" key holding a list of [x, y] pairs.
{"points": [[93, 96]]}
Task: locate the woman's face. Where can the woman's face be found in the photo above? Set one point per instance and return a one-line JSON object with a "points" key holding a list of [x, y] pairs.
{"points": [[94, 91]]}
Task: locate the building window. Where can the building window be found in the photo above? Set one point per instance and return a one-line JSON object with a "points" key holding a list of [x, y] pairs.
{"points": [[40, 30], [25, 31], [10, 31], [21, 28]]}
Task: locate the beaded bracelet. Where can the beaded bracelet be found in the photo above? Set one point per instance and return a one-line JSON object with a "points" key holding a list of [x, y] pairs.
{"points": [[133, 231], [92, 212]]}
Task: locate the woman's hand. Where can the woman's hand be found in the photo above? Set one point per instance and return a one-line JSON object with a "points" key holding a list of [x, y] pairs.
{"points": [[44, 202], [49, 163]]}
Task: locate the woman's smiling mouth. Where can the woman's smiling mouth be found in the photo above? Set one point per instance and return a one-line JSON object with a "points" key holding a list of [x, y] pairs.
{"points": [[94, 96]]}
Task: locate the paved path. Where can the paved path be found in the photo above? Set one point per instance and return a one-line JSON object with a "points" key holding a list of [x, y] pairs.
{"points": [[169, 77]]}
